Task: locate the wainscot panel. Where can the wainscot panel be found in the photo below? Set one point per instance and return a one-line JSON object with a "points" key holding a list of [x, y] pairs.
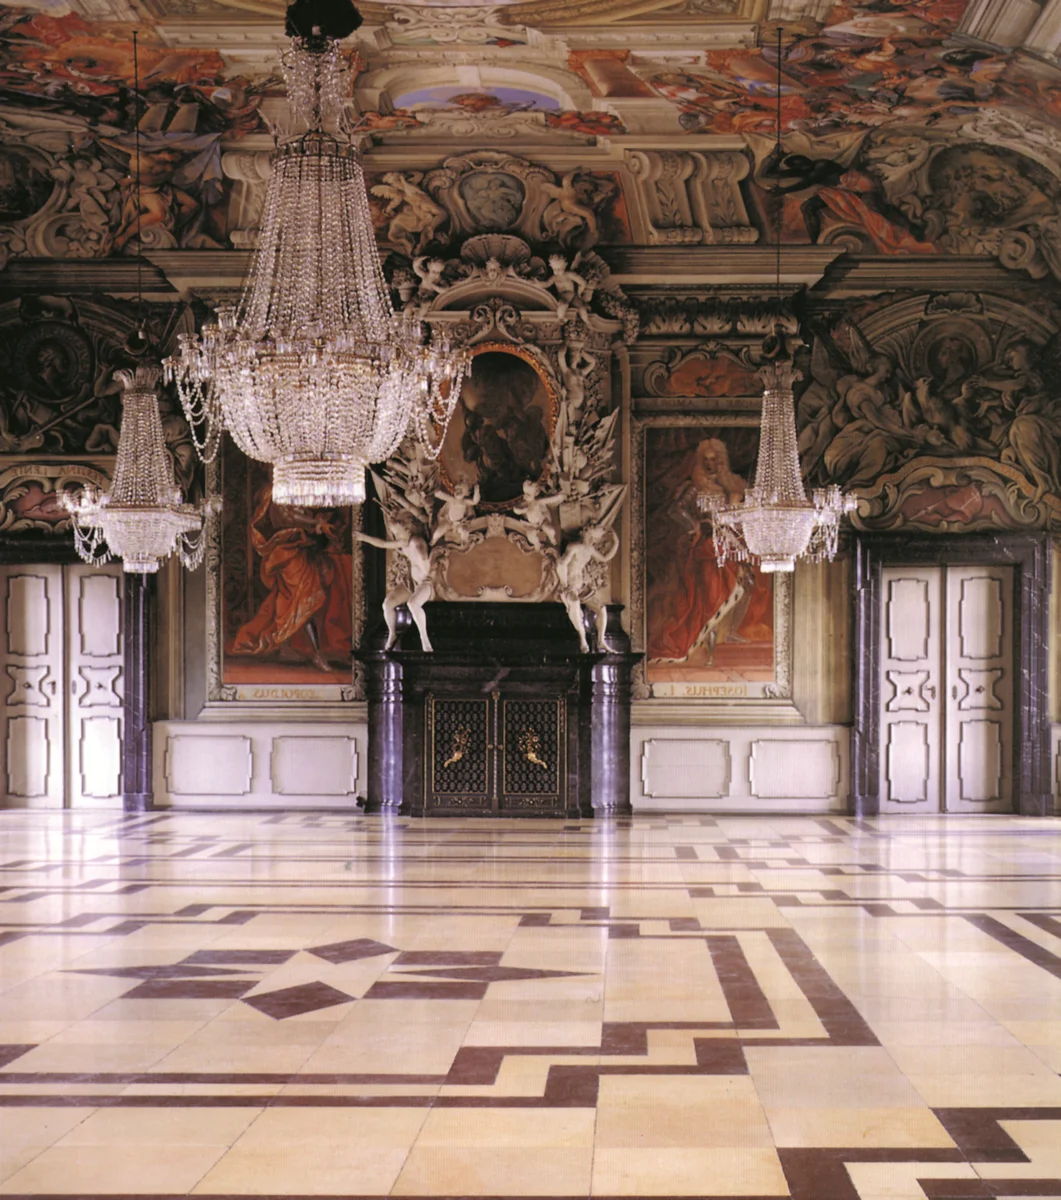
{"points": [[740, 769], [263, 764]]}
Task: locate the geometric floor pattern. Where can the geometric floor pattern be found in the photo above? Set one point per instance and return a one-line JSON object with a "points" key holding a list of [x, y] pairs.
{"points": [[311, 1005]]}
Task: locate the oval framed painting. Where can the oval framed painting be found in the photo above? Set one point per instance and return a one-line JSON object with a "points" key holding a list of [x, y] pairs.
{"points": [[501, 432]]}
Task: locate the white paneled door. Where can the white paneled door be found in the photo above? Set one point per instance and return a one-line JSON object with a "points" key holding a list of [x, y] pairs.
{"points": [[61, 686], [947, 689]]}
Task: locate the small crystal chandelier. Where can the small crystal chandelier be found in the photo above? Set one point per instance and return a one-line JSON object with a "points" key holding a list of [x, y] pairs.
{"points": [[313, 371], [776, 523], [142, 519]]}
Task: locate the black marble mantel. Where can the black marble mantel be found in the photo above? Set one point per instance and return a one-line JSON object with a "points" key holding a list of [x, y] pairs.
{"points": [[507, 667]]}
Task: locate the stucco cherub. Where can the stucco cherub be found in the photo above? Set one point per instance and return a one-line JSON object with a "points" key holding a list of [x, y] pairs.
{"points": [[458, 508], [572, 289], [429, 272], [535, 511]]}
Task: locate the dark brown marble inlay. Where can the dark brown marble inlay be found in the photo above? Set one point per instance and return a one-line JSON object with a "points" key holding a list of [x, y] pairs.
{"points": [[298, 1000]]}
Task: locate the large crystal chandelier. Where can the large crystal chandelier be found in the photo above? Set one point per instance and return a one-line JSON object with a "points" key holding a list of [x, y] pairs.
{"points": [[775, 522], [142, 519], [313, 371]]}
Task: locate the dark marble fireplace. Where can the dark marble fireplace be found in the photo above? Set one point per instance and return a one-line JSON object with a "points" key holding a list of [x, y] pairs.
{"points": [[506, 718]]}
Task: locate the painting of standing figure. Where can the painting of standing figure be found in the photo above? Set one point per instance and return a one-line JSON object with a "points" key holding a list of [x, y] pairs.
{"points": [[706, 624], [287, 584]]}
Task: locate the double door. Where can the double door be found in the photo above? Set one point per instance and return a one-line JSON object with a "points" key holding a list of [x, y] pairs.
{"points": [[61, 686], [496, 755], [946, 689]]}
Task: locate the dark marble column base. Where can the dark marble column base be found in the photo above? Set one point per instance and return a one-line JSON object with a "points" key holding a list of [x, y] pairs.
{"points": [[137, 784]]}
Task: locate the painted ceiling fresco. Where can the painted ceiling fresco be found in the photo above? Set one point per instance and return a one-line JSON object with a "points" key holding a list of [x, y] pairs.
{"points": [[872, 64], [900, 136]]}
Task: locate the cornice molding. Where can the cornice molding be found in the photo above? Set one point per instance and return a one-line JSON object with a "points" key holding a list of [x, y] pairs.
{"points": [[942, 273], [81, 276], [684, 266]]}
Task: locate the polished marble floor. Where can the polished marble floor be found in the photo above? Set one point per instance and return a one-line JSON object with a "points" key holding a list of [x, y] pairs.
{"points": [[322, 1005]]}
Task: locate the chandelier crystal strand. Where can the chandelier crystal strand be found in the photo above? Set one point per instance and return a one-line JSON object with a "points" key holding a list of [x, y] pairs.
{"points": [[142, 519], [314, 371]]}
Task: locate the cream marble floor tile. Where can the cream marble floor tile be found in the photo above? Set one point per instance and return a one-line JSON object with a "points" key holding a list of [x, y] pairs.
{"points": [[968, 1060], [108, 1033], [140, 1170], [643, 1111], [939, 1034], [857, 1127], [94, 1057], [960, 1091], [37, 1127], [534, 1033], [1035, 1033], [162, 1127], [832, 1077], [315, 1168], [507, 1127], [495, 1171], [684, 1171]]}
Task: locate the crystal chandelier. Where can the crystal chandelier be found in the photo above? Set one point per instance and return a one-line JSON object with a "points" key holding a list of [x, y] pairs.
{"points": [[142, 519], [775, 522], [314, 371]]}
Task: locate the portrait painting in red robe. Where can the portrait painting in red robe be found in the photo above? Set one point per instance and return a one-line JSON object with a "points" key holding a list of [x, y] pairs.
{"points": [[705, 623], [287, 585]]}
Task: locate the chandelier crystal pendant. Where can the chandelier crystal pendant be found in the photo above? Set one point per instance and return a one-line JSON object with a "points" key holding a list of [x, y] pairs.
{"points": [[313, 371], [775, 523], [142, 519]]}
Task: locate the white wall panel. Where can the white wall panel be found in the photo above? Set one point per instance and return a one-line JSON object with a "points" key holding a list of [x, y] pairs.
{"points": [[203, 765], [685, 768], [310, 766], [794, 769], [740, 768], [259, 764]]}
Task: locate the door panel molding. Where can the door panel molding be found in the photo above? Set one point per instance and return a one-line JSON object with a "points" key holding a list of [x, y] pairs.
{"points": [[908, 642], [1029, 554], [981, 632]]}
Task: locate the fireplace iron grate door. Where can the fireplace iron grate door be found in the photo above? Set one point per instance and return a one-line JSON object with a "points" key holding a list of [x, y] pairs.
{"points": [[495, 756]]}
